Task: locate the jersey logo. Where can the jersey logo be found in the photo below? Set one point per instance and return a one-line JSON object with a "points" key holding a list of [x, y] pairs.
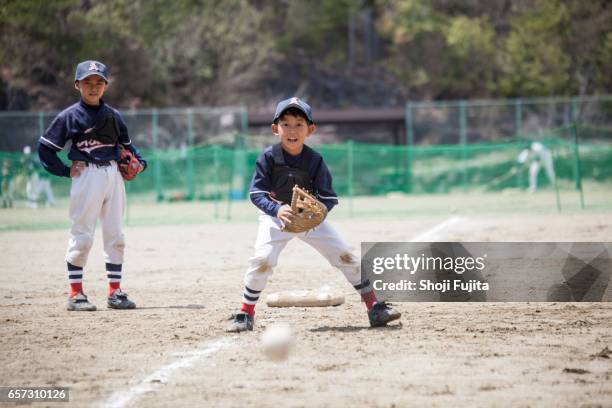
{"points": [[90, 145], [93, 67]]}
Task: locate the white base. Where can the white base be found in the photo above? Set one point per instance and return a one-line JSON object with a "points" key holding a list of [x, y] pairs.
{"points": [[305, 298]]}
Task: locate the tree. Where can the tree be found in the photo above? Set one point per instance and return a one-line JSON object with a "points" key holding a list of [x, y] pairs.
{"points": [[534, 61], [333, 52]]}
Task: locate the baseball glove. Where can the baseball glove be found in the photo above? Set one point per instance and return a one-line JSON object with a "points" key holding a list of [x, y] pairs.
{"points": [[308, 212], [129, 166]]}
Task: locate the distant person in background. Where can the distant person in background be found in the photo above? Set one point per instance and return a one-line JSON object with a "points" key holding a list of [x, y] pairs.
{"points": [[37, 180], [538, 156], [27, 163], [6, 184]]}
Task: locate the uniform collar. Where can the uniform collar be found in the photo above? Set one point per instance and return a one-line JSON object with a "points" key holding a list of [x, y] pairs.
{"points": [[90, 107], [294, 157]]}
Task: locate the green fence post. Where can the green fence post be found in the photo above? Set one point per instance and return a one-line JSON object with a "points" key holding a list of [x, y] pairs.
{"points": [[518, 125], [574, 110], [244, 120], [409, 144], [577, 165], [554, 149], [158, 169], [41, 127], [244, 131], [41, 123], [190, 171], [463, 141], [230, 189], [238, 182], [238, 167], [520, 172], [350, 164], [518, 116], [216, 179]]}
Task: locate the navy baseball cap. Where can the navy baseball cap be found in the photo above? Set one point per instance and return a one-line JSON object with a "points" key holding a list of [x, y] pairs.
{"points": [[293, 103], [87, 68]]}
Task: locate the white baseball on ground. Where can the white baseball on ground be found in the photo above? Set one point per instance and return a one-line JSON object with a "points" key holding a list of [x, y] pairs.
{"points": [[277, 341]]}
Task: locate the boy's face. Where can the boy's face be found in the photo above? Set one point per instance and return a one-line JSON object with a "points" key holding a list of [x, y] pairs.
{"points": [[91, 88], [292, 132]]}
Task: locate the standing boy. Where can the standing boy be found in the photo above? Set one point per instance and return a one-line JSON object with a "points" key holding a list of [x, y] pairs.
{"points": [[97, 133], [6, 184], [277, 170]]}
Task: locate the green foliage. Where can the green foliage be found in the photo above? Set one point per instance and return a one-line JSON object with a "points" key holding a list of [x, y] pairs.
{"points": [[337, 52], [534, 61], [471, 49], [604, 62], [432, 46], [309, 25]]}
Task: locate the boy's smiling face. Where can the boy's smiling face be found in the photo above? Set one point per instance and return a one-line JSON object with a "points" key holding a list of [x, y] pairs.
{"points": [[91, 88], [292, 131]]}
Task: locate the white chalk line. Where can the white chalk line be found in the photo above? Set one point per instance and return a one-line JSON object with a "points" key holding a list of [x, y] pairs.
{"points": [[161, 376], [428, 235]]}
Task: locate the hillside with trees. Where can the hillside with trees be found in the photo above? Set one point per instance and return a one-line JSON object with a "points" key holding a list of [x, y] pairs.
{"points": [[335, 53]]}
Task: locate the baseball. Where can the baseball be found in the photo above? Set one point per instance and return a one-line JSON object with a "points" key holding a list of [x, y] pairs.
{"points": [[277, 342]]}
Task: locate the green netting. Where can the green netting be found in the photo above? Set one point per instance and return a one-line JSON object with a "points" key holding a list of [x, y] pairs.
{"points": [[474, 121], [218, 178], [458, 156], [149, 129]]}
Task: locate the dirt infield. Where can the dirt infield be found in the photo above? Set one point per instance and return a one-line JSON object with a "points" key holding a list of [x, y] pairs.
{"points": [[187, 280]]}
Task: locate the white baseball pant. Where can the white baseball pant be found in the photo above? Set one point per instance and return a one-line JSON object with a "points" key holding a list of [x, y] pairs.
{"points": [[271, 241], [99, 192]]}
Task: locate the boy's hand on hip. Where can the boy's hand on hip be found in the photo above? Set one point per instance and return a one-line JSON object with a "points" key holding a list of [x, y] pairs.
{"points": [[76, 168], [285, 214]]}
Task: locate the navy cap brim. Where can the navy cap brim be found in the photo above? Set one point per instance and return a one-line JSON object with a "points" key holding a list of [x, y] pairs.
{"points": [[90, 73], [292, 105]]}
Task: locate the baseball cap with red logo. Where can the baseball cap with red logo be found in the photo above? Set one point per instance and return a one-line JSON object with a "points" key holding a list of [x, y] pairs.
{"points": [[87, 68]]}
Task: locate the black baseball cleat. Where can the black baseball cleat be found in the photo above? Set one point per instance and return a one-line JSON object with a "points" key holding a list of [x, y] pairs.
{"points": [[381, 314], [240, 322], [80, 303], [119, 300]]}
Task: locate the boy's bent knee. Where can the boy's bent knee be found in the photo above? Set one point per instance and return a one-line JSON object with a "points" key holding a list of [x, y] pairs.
{"points": [[81, 243], [78, 249], [260, 264], [345, 259], [117, 243]]}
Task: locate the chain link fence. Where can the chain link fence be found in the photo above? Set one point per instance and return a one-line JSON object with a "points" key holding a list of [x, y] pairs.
{"points": [[495, 153]]}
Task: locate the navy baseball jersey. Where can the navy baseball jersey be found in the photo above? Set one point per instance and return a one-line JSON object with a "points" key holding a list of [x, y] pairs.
{"points": [[320, 178], [95, 133]]}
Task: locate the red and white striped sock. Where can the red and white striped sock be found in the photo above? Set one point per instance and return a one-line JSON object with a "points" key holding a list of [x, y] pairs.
{"points": [[250, 309], [113, 273], [75, 278], [367, 293], [249, 300], [369, 299]]}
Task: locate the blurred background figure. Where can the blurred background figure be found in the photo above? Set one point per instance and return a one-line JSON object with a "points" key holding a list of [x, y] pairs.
{"points": [[6, 184], [37, 180], [537, 156]]}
